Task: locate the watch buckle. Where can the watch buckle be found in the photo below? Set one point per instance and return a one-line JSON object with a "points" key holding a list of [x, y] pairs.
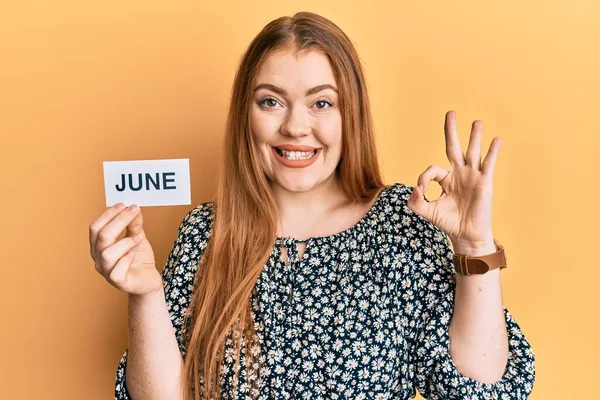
{"points": [[476, 267]]}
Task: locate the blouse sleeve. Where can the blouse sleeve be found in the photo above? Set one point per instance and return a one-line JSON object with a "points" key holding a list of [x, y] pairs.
{"points": [[434, 286], [178, 276]]}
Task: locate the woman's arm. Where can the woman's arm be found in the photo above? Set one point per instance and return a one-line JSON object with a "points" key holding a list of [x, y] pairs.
{"points": [[157, 345], [154, 361], [478, 336]]}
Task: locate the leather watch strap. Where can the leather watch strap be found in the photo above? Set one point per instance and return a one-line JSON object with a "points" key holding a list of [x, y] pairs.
{"points": [[469, 265]]}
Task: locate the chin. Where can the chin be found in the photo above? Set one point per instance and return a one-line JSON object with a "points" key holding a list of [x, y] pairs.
{"points": [[297, 183]]}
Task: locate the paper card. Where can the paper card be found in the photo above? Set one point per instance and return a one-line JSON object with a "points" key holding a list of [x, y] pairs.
{"points": [[147, 182]]}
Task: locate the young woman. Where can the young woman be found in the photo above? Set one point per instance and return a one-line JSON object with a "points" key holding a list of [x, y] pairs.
{"points": [[307, 276]]}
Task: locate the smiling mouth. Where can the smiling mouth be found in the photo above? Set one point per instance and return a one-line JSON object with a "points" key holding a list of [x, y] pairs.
{"points": [[296, 155]]}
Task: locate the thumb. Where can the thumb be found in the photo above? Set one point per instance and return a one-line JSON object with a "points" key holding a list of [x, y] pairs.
{"points": [[136, 225], [418, 203]]}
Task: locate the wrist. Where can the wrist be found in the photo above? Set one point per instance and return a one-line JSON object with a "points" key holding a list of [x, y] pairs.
{"points": [[474, 248], [153, 294]]}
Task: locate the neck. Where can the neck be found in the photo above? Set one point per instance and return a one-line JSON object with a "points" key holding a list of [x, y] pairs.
{"points": [[300, 211]]}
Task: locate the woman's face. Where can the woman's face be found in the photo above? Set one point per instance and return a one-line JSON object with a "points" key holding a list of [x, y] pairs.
{"points": [[295, 120]]}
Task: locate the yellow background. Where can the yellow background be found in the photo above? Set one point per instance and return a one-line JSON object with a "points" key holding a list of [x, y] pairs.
{"points": [[83, 82]]}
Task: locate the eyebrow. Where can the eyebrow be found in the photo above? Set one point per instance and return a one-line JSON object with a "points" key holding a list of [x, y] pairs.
{"points": [[282, 91]]}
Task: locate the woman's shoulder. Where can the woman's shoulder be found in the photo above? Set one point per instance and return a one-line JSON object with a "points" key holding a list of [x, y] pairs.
{"points": [[411, 223], [395, 208], [395, 196], [203, 211], [398, 191], [199, 220]]}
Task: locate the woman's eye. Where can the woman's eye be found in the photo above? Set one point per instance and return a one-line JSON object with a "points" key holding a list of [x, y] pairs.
{"points": [[325, 102], [272, 101]]}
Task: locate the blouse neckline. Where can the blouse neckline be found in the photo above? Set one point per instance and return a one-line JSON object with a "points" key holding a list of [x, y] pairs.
{"points": [[342, 234]]}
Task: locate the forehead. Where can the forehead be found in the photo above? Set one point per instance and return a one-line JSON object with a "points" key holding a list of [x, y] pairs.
{"points": [[299, 71]]}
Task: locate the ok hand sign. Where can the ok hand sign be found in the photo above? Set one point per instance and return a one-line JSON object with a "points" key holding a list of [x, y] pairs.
{"points": [[464, 210]]}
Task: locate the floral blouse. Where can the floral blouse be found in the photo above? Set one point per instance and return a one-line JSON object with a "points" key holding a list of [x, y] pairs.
{"points": [[363, 314]]}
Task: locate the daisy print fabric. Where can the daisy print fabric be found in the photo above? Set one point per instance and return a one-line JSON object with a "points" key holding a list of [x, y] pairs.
{"points": [[362, 314]]}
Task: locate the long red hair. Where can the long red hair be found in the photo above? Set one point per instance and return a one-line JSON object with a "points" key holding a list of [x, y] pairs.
{"points": [[245, 214]]}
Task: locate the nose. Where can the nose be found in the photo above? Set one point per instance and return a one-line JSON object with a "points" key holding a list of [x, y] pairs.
{"points": [[296, 123]]}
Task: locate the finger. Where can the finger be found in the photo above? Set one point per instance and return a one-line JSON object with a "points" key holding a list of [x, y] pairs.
{"points": [[432, 173], [109, 233], [111, 255], [473, 157], [136, 226], [118, 275], [489, 162], [99, 223], [453, 150]]}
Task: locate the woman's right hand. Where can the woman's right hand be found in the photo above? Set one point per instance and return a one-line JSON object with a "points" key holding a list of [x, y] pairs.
{"points": [[129, 263]]}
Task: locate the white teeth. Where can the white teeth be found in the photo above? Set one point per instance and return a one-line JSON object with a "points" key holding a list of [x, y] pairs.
{"points": [[297, 155]]}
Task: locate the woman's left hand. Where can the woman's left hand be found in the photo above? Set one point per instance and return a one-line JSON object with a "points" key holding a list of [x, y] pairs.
{"points": [[464, 210]]}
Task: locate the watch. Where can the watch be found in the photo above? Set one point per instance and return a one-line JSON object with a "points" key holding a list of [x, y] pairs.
{"points": [[472, 265]]}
